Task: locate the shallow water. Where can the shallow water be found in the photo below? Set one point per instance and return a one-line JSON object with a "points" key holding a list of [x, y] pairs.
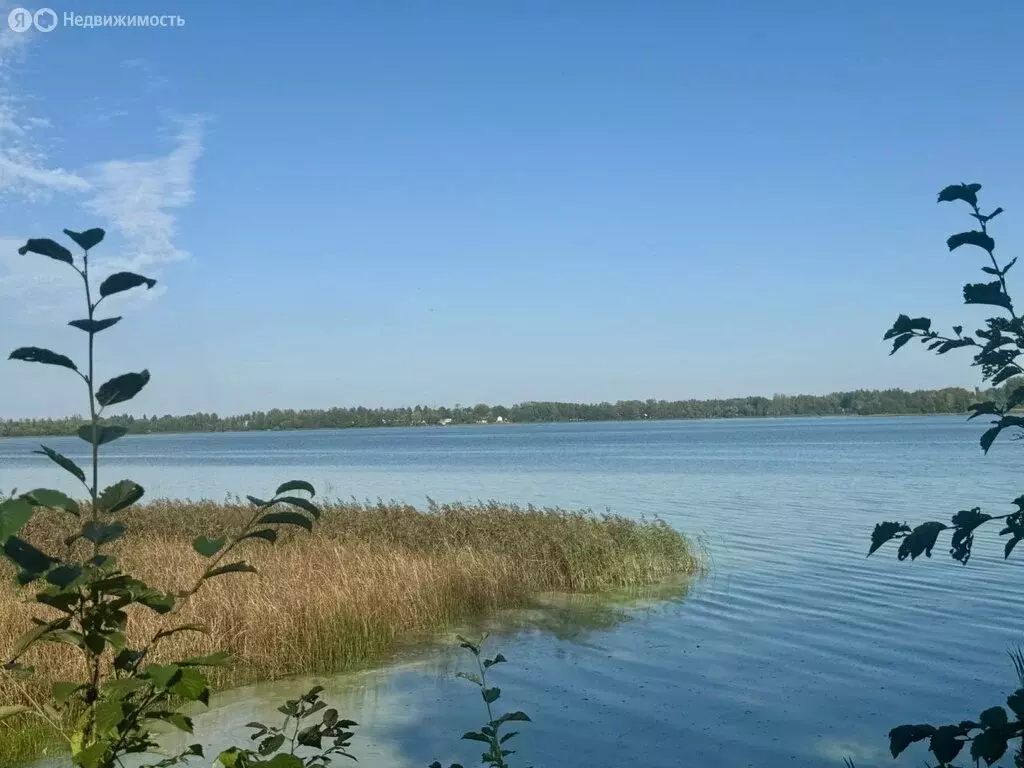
{"points": [[795, 651]]}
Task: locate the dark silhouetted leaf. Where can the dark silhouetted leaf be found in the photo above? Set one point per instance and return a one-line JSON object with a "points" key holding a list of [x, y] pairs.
{"points": [[121, 388], [310, 737], [287, 518], [120, 495], [964, 522], [26, 556], [64, 575], [1016, 703], [989, 437], [900, 341], [1009, 547], [208, 547], [974, 237], [40, 355], [295, 485], [86, 239], [47, 247], [1007, 373], [303, 504], [239, 567], [94, 326], [989, 745], [201, 628], [993, 717], [98, 533], [491, 694], [906, 324], [62, 461], [103, 434], [886, 532], [966, 192], [474, 736], [267, 534], [945, 744], [123, 281], [984, 409], [920, 541], [987, 293]]}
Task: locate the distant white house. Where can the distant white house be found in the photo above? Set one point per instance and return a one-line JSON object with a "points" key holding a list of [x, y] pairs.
{"points": [[445, 422], [499, 420]]}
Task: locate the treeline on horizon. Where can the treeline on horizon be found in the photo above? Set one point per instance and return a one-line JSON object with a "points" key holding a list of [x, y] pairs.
{"points": [[861, 402]]}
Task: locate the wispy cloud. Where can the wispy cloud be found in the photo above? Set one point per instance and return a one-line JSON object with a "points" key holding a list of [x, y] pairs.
{"points": [[137, 200]]}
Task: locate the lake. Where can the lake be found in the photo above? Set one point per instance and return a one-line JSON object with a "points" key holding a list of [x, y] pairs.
{"points": [[795, 651]]}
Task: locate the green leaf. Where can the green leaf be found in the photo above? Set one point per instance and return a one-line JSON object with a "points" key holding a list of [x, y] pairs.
{"points": [[93, 755], [51, 499], [508, 717], [86, 239], [124, 281], [284, 761], [966, 192], [987, 293], [156, 601], [47, 247], [120, 495], [471, 676], [108, 714], [192, 686], [178, 720], [64, 691], [287, 518], [886, 532], [40, 355], [103, 434], [100, 533], [121, 389], [94, 326], [271, 744], [974, 237], [62, 461], [303, 504], [14, 513], [491, 694], [208, 547], [238, 567], [474, 736], [26, 556]]}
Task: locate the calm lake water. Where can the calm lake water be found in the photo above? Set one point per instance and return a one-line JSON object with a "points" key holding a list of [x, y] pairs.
{"points": [[795, 651]]}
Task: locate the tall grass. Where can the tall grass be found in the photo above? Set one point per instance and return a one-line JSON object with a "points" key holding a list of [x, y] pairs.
{"points": [[373, 577]]}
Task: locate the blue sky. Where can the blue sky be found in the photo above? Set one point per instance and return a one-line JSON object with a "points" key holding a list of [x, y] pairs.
{"points": [[397, 203]]}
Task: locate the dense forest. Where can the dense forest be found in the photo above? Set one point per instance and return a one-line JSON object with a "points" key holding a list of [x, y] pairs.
{"points": [[860, 402]]}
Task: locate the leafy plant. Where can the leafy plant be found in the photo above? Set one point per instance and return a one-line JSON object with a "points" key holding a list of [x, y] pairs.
{"points": [[997, 348], [296, 736], [86, 600], [490, 734]]}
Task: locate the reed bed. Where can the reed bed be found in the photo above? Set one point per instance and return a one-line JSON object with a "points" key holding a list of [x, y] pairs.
{"points": [[371, 577]]}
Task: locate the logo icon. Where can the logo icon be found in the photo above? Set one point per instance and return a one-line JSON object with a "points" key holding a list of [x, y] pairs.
{"points": [[45, 19], [19, 20]]}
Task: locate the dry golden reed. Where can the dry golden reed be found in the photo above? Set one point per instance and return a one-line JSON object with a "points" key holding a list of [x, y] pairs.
{"points": [[371, 577]]}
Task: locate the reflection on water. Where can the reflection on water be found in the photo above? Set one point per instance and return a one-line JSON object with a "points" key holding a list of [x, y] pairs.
{"points": [[393, 704], [795, 652]]}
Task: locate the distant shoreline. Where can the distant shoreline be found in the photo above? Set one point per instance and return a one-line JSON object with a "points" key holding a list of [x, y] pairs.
{"points": [[806, 417]]}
